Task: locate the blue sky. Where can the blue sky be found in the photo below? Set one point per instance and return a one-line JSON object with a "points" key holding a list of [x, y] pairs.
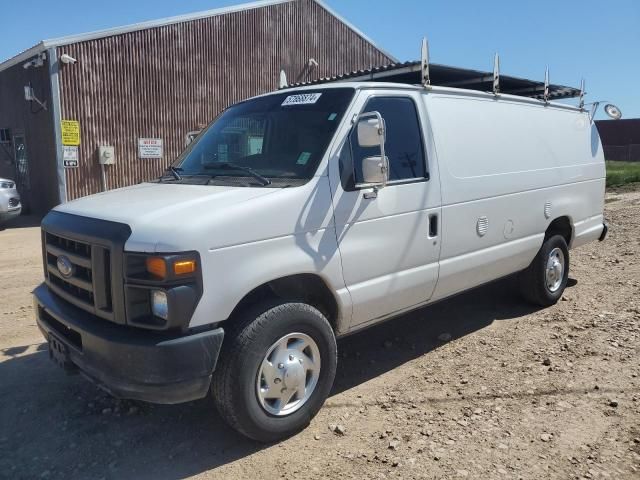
{"points": [[595, 39]]}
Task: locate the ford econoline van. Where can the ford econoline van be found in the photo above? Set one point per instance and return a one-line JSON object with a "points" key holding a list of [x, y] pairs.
{"points": [[303, 215]]}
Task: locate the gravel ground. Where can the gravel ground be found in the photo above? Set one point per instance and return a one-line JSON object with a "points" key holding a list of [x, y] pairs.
{"points": [[480, 386]]}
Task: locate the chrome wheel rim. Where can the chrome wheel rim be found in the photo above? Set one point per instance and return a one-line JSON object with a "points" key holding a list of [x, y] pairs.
{"points": [[288, 374], [555, 270]]}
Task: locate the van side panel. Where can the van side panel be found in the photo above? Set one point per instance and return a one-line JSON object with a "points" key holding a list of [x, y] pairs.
{"points": [[508, 169], [297, 236]]}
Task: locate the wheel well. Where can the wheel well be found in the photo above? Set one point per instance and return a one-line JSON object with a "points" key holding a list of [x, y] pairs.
{"points": [[560, 226], [307, 288]]}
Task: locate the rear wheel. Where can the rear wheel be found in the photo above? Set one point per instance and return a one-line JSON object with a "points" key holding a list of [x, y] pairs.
{"points": [[544, 281], [275, 371]]}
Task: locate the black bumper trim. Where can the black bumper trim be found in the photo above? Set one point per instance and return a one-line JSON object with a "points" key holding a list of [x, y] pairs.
{"points": [[605, 230], [129, 362]]}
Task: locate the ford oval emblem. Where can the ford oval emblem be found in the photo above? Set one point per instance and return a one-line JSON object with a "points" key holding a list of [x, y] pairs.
{"points": [[65, 267]]}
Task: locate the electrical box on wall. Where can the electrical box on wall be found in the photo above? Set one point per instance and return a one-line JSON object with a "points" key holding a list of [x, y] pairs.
{"points": [[106, 155]]}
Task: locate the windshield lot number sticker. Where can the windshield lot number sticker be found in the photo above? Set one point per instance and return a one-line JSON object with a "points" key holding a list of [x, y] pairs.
{"points": [[301, 99]]}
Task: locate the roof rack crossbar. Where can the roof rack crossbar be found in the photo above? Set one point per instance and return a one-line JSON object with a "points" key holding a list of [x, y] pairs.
{"points": [[533, 90], [469, 81], [427, 74]]}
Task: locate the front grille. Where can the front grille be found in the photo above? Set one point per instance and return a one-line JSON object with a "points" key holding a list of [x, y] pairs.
{"points": [[87, 284], [13, 202]]}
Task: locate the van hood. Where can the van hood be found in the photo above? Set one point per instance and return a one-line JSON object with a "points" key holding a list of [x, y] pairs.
{"points": [[153, 202]]}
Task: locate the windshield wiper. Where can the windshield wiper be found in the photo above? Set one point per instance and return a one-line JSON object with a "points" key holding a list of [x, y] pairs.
{"points": [[174, 171], [233, 166]]}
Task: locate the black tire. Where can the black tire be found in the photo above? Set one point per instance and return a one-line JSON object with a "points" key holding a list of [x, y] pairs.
{"points": [[533, 284], [244, 347]]}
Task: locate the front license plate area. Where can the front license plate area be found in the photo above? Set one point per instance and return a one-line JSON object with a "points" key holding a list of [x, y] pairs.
{"points": [[59, 353]]}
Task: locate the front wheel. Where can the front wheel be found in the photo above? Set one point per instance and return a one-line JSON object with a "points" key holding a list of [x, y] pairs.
{"points": [[544, 281], [276, 369]]}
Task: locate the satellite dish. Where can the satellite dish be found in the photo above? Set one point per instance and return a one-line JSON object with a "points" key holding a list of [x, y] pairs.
{"points": [[612, 111]]}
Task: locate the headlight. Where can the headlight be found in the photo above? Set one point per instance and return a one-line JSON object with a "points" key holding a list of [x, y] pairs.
{"points": [[159, 304], [158, 268], [162, 290]]}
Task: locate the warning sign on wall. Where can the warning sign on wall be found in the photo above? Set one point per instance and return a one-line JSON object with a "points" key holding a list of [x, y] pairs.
{"points": [[70, 156], [70, 132], [149, 148]]}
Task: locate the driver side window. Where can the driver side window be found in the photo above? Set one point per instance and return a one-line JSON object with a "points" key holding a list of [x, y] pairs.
{"points": [[403, 145]]}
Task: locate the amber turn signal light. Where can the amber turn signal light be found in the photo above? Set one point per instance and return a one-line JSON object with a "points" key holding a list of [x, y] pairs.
{"points": [[157, 266], [183, 267]]}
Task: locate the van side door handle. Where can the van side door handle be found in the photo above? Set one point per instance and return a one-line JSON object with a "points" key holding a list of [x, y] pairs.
{"points": [[433, 225]]}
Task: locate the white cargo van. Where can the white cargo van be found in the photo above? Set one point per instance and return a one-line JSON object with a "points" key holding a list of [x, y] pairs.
{"points": [[303, 215]]}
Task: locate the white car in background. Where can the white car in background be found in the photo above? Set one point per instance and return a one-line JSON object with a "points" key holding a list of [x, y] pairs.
{"points": [[10, 205]]}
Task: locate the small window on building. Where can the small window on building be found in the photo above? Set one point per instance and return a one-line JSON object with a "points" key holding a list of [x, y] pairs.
{"points": [[5, 135], [403, 145]]}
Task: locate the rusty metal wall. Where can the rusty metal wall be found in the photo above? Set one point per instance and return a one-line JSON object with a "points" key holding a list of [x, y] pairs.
{"points": [[39, 192], [620, 139], [166, 81]]}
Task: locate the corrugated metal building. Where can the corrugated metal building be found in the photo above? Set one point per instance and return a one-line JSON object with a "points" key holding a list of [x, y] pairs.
{"points": [[156, 80]]}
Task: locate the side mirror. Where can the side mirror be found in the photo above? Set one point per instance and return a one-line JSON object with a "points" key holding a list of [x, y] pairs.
{"points": [[370, 129], [374, 171], [371, 133]]}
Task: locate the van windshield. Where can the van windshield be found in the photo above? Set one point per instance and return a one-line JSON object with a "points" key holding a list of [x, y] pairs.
{"points": [[267, 140]]}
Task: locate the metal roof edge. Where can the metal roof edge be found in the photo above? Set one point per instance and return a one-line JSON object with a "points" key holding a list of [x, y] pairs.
{"points": [[23, 56], [109, 32], [162, 22], [356, 30]]}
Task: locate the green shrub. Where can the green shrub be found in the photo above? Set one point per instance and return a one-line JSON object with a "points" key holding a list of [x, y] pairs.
{"points": [[621, 173]]}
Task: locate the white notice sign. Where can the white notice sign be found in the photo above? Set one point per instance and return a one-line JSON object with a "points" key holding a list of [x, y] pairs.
{"points": [[69, 156], [150, 148], [301, 99]]}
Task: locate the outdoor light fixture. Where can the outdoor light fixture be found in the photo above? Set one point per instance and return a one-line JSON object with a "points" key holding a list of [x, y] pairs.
{"points": [[30, 96], [37, 61], [67, 59]]}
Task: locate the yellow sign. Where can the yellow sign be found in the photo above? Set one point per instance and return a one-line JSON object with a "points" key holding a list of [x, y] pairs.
{"points": [[70, 132]]}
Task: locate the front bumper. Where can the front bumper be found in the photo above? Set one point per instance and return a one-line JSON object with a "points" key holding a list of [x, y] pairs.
{"points": [[6, 216], [129, 362]]}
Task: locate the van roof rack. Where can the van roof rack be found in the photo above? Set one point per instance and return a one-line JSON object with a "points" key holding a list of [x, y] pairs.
{"points": [[447, 76], [421, 72]]}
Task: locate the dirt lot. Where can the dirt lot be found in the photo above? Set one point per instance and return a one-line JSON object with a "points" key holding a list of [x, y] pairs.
{"points": [[480, 386]]}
